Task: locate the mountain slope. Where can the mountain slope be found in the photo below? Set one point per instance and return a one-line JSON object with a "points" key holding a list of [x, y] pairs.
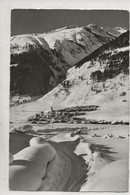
{"points": [[40, 61], [100, 80]]}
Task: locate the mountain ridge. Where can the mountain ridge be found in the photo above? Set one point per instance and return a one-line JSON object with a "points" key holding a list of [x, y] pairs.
{"points": [[55, 51]]}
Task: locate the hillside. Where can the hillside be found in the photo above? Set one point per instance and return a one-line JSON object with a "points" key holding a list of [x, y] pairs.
{"points": [[100, 79], [40, 61]]}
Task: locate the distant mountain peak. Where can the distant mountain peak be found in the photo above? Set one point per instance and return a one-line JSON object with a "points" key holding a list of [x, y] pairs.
{"points": [[71, 26], [120, 28], [95, 27], [92, 25], [116, 31], [63, 28]]}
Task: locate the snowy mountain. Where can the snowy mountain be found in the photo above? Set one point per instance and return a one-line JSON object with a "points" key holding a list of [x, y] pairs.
{"points": [[99, 79], [40, 61], [116, 31]]}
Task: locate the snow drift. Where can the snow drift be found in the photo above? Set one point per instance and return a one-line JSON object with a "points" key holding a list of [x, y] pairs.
{"points": [[29, 166], [113, 177]]}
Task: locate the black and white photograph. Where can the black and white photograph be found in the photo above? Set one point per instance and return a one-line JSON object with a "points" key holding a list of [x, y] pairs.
{"points": [[69, 100]]}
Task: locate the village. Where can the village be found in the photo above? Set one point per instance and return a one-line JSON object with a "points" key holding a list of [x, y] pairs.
{"points": [[71, 115]]}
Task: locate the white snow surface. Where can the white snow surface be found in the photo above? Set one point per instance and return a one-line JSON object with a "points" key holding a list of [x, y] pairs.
{"points": [[32, 163]]}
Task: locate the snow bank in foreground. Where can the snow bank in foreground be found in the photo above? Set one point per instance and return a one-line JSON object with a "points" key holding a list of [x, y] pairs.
{"points": [[57, 174], [112, 177], [29, 167]]}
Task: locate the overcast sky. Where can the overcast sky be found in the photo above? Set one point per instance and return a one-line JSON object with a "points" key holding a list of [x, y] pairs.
{"points": [[25, 21]]}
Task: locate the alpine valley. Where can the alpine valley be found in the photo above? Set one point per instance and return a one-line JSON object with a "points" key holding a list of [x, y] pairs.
{"points": [[69, 110]]}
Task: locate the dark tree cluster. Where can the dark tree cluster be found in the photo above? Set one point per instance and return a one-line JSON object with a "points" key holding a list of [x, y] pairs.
{"points": [[118, 63], [32, 73]]}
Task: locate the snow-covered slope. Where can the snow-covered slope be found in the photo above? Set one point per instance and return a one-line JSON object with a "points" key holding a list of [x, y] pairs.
{"points": [[52, 53], [102, 80]]}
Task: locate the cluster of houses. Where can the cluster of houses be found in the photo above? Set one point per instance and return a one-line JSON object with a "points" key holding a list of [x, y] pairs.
{"points": [[67, 115], [70, 115]]}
